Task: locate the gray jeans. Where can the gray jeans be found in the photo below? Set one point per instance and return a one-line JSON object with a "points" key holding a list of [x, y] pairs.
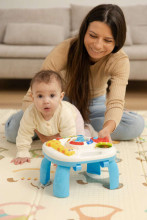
{"points": [[130, 126]]}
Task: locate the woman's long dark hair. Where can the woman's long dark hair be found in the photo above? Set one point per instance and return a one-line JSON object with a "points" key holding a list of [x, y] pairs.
{"points": [[78, 64]]}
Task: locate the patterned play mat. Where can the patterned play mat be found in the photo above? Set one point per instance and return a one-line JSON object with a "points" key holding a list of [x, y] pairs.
{"points": [[22, 197]]}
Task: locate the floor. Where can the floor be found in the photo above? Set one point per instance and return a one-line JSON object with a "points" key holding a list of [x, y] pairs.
{"points": [[12, 92], [22, 196]]}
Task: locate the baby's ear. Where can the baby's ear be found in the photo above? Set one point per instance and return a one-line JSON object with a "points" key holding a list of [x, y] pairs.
{"points": [[62, 95], [32, 96]]}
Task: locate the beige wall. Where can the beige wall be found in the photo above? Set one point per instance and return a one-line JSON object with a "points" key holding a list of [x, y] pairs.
{"points": [[52, 3]]}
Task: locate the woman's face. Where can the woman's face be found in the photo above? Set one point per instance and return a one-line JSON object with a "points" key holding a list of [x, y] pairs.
{"points": [[98, 40]]}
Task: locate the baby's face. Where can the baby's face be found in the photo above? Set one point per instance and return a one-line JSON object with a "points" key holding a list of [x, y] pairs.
{"points": [[47, 97]]}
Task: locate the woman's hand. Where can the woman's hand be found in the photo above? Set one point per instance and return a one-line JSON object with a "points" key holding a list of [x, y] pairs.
{"points": [[108, 128], [105, 133], [44, 138]]}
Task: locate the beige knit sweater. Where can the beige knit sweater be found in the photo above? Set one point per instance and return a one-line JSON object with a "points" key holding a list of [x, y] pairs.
{"points": [[115, 67]]}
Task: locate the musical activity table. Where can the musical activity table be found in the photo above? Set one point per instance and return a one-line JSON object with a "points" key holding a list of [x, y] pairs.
{"points": [[71, 152]]}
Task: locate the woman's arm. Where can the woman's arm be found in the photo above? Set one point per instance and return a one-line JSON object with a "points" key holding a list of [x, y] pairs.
{"points": [[119, 72]]}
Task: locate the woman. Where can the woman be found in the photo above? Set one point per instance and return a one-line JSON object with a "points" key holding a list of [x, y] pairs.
{"points": [[87, 63]]}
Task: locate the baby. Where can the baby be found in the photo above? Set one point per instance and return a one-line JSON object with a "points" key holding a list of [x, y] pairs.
{"points": [[48, 114]]}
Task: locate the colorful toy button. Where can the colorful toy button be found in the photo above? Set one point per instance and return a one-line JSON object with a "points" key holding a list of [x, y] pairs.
{"points": [[89, 142], [103, 143], [80, 138]]}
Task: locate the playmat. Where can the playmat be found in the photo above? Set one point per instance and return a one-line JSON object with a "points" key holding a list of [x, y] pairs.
{"points": [[23, 197]]}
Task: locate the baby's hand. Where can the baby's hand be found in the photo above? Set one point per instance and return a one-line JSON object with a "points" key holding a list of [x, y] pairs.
{"points": [[20, 160]]}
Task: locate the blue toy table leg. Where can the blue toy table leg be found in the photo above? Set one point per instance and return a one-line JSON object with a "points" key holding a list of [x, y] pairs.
{"points": [[45, 171], [113, 175], [94, 168], [61, 182]]}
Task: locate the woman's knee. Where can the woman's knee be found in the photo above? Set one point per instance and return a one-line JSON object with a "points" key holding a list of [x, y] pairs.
{"points": [[140, 124], [12, 126], [129, 128]]}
